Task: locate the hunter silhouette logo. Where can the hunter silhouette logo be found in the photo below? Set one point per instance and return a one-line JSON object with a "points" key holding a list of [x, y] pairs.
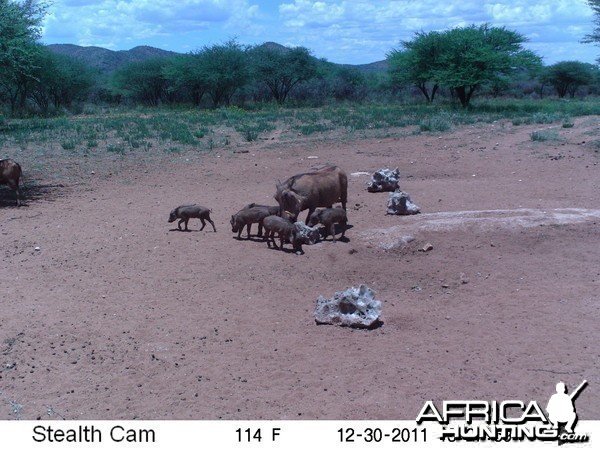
{"points": [[508, 420], [561, 410]]}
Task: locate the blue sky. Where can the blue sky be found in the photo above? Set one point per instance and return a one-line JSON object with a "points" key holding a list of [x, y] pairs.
{"points": [[351, 32]]}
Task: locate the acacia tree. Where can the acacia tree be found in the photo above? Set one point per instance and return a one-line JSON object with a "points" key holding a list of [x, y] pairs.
{"points": [[224, 69], [143, 81], [594, 36], [184, 75], [568, 76], [475, 55], [347, 83], [418, 62], [20, 24], [61, 81], [281, 69], [463, 59]]}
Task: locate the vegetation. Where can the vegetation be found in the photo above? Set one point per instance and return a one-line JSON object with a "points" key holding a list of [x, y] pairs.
{"points": [[224, 70], [462, 59], [142, 82], [545, 135], [594, 36], [568, 76], [280, 69], [446, 68], [20, 25], [125, 136]]}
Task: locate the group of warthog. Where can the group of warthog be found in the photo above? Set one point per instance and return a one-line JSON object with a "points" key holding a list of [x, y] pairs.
{"points": [[323, 187]]}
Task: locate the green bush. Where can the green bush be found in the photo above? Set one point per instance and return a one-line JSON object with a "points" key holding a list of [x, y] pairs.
{"points": [[68, 144], [118, 147], [439, 122], [545, 135]]}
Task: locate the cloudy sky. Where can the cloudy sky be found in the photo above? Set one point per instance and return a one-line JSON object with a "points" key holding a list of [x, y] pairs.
{"points": [[341, 31]]}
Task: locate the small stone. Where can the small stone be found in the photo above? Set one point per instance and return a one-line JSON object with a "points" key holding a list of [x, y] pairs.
{"points": [[463, 278], [37, 249], [426, 248]]}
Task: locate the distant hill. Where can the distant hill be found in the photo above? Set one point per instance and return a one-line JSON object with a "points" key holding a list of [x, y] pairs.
{"points": [[379, 66], [375, 67], [110, 60]]}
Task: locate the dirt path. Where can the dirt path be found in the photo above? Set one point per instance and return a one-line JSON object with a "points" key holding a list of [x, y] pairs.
{"points": [[107, 313]]}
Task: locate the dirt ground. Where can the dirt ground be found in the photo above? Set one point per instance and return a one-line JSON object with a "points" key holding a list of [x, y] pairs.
{"points": [[109, 313]]}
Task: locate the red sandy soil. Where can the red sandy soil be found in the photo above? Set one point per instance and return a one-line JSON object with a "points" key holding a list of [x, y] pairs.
{"points": [[109, 313]]}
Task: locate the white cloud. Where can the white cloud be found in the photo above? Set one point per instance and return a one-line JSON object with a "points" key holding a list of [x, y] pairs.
{"points": [[358, 31], [376, 27], [93, 22]]}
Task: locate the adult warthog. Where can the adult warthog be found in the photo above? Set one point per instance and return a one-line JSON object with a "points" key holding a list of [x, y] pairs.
{"points": [[323, 187], [10, 172]]}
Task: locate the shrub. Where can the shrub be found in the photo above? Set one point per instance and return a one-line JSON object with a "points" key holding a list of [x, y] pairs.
{"points": [[68, 144], [545, 135], [119, 148], [438, 122]]}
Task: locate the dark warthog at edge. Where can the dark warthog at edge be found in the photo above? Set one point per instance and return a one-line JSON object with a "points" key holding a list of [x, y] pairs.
{"points": [[10, 172]]}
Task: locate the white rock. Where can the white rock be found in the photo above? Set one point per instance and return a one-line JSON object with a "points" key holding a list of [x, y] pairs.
{"points": [[354, 307], [399, 203], [305, 234], [384, 180]]}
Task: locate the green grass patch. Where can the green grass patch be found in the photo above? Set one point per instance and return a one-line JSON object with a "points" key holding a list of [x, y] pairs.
{"points": [[438, 122], [118, 147], [545, 135], [120, 130], [68, 145], [309, 129], [251, 131]]}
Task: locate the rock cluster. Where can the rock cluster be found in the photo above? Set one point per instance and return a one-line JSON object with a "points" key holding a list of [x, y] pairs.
{"points": [[400, 204], [354, 307], [307, 235], [384, 180]]}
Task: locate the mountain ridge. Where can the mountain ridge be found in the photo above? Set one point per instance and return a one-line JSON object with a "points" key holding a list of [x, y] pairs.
{"points": [[107, 60]]}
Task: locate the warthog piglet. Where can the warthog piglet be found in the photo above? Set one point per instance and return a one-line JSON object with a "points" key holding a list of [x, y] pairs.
{"points": [[186, 212], [329, 217], [250, 214], [281, 226]]}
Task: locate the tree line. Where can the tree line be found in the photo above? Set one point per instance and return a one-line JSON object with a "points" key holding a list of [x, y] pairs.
{"points": [[456, 64]]}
